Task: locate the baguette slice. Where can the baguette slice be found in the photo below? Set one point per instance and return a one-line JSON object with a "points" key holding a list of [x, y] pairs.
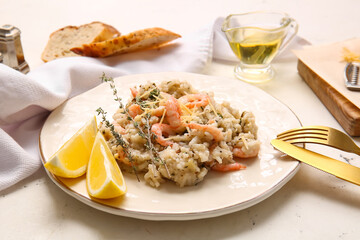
{"points": [[135, 41], [62, 40]]}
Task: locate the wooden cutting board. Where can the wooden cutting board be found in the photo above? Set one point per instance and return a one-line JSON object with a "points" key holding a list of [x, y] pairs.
{"points": [[344, 111]]}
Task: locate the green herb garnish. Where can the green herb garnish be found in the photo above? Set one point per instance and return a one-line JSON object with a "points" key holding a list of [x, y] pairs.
{"points": [[144, 133]]}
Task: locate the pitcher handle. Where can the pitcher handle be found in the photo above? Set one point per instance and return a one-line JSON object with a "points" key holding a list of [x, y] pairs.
{"points": [[294, 26]]}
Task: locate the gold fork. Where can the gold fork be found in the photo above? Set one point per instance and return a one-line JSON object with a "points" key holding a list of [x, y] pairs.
{"points": [[321, 135]]}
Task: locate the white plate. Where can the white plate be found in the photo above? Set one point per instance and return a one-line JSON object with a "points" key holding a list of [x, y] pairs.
{"points": [[219, 193]]}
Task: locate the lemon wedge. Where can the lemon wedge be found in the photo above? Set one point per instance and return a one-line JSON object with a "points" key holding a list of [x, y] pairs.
{"points": [[71, 160], [104, 178]]}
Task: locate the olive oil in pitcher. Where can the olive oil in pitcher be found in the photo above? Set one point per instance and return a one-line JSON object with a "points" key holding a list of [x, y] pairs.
{"points": [[256, 38], [257, 48]]}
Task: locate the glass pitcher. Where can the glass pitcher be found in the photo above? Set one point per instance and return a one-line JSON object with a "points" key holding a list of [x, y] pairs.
{"points": [[256, 38]]}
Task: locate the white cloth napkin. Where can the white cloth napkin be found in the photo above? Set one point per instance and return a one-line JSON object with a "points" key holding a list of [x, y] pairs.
{"points": [[26, 100]]}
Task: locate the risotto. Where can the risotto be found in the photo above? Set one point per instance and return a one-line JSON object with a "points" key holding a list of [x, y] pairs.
{"points": [[171, 131]]}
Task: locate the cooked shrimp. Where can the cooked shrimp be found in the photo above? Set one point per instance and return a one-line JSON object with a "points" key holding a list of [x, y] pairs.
{"points": [[173, 112], [228, 167], [195, 100], [134, 92], [214, 131], [118, 128], [158, 112], [238, 152], [121, 157], [135, 110], [160, 129]]}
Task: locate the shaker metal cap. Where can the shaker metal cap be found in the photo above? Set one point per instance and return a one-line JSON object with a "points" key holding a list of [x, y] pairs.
{"points": [[9, 32]]}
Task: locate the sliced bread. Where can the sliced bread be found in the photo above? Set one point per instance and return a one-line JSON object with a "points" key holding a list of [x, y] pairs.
{"points": [[138, 40], [62, 40]]}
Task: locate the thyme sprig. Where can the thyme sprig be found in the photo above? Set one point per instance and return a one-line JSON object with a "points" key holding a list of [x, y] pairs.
{"points": [[110, 80], [119, 139], [154, 153], [153, 96], [155, 157]]}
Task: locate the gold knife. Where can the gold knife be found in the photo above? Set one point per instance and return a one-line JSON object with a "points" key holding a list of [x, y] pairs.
{"points": [[335, 167]]}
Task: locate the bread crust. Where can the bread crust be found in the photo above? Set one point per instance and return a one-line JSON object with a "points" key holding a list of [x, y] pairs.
{"points": [[135, 41]]}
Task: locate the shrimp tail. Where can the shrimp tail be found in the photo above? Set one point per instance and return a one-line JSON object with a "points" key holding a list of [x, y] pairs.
{"points": [[228, 167]]}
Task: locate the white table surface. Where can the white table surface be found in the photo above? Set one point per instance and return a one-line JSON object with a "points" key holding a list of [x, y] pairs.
{"points": [[313, 205]]}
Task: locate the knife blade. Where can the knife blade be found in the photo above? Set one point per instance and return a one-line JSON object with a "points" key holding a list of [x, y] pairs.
{"points": [[335, 167]]}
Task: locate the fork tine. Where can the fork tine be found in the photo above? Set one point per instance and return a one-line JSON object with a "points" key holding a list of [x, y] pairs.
{"points": [[306, 140], [304, 135], [310, 129]]}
